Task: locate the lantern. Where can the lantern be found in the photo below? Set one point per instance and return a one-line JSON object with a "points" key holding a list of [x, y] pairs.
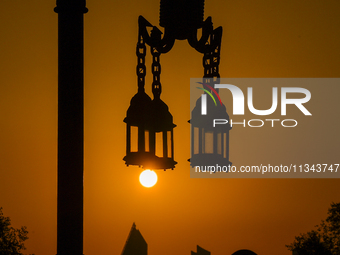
{"points": [[149, 124], [209, 144], [136, 129], [149, 133]]}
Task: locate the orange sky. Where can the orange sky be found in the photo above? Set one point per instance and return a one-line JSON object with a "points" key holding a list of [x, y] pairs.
{"points": [[260, 39]]}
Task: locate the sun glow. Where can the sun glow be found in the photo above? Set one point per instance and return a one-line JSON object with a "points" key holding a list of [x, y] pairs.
{"points": [[148, 178]]}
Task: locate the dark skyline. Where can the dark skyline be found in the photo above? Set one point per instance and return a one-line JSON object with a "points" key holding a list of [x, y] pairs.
{"points": [[136, 245]]}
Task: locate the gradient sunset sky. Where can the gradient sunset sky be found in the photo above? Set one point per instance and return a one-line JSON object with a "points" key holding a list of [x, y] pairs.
{"points": [[276, 39]]}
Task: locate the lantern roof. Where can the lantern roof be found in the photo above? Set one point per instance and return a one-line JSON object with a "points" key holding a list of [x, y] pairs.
{"points": [[214, 111], [138, 110], [160, 117]]}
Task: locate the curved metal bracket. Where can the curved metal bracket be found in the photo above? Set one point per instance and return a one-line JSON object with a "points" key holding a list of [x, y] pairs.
{"points": [[200, 45], [155, 39]]}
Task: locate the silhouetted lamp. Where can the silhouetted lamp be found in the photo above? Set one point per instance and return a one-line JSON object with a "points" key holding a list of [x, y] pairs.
{"points": [[149, 133], [149, 124], [209, 144], [136, 129]]}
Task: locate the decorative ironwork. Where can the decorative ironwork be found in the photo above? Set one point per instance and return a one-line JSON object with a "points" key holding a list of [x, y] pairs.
{"points": [[181, 19]]}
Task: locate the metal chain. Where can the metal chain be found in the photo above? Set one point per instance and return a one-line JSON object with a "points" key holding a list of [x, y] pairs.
{"points": [[207, 65], [211, 60], [141, 68], [215, 57], [156, 72]]}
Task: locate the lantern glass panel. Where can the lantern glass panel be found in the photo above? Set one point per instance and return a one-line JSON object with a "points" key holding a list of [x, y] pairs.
{"points": [[209, 142], [134, 139], [169, 144], [224, 145], [196, 140], [147, 143], [219, 143], [159, 144]]}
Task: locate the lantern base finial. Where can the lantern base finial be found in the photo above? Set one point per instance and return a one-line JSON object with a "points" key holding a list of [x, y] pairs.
{"points": [[148, 160]]}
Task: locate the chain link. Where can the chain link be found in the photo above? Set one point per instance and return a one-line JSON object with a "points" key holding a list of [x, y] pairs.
{"points": [[215, 56], [211, 59], [156, 72], [141, 68], [207, 67]]}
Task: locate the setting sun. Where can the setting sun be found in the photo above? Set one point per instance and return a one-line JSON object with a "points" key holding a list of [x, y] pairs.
{"points": [[148, 178]]}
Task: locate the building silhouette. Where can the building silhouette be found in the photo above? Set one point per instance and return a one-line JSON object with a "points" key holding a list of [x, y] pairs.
{"points": [[135, 243], [200, 251], [244, 252]]}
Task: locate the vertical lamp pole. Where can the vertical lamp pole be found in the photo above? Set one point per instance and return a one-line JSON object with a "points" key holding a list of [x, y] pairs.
{"points": [[70, 126]]}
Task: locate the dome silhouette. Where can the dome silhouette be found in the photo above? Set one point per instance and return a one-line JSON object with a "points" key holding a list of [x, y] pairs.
{"points": [[244, 252]]}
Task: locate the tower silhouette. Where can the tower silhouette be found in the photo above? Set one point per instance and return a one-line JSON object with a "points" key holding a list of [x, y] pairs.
{"points": [[200, 251], [135, 243]]}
